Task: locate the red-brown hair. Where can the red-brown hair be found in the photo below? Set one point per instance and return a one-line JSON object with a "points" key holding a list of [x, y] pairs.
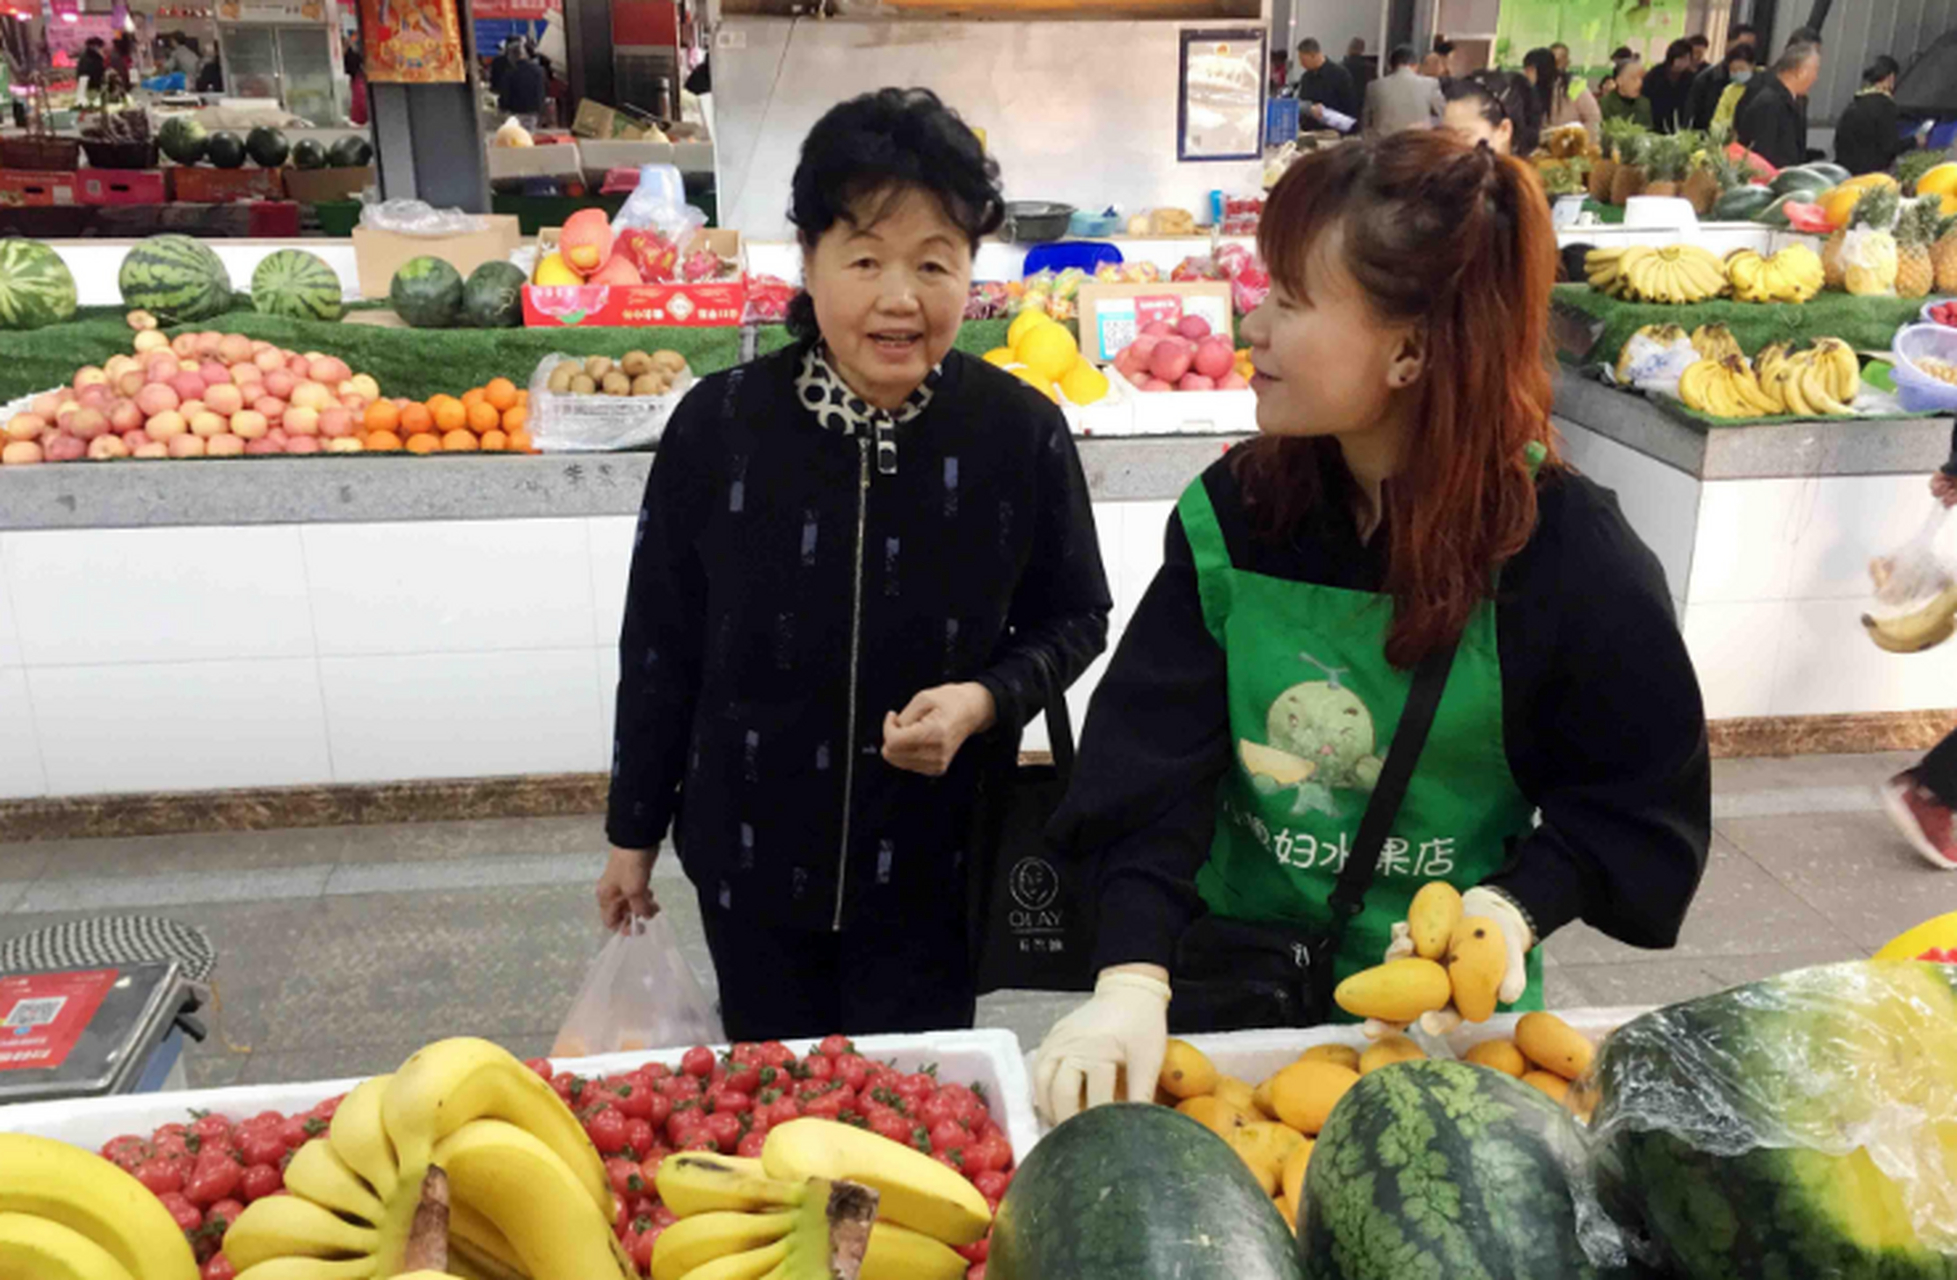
{"points": [[1458, 241]]}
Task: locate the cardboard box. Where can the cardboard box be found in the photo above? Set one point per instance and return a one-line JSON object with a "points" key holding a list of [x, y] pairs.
{"points": [[317, 186], [379, 254], [693, 306], [1111, 315], [594, 120], [23, 188], [121, 186], [194, 184], [559, 160]]}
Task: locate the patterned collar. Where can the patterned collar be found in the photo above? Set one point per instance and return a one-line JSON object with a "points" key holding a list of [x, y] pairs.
{"points": [[823, 393]]}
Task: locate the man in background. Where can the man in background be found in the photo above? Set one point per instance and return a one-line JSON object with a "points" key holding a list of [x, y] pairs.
{"points": [[92, 67], [1323, 82], [525, 84], [1703, 99], [1701, 51], [1770, 121], [1359, 67], [1403, 98]]}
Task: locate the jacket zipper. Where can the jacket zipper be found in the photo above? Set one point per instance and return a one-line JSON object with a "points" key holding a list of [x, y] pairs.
{"points": [[855, 656]]}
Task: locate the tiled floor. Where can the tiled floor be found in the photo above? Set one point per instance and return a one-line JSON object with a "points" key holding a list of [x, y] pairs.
{"points": [[341, 950]]}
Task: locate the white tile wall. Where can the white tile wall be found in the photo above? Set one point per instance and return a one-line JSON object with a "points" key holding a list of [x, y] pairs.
{"points": [[454, 715], [179, 726], [21, 776], [158, 595], [10, 655], [1828, 666], [1852, 519], [1748, 536], [1734, 648], [1661, 503], [611, 567], [450, 586]]}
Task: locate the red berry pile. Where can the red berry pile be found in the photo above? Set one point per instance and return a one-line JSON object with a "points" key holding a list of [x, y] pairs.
{"points": [[1944, 313]]}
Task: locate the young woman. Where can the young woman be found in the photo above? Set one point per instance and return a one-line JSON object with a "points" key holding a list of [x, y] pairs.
{"points": [[1403, 503], [863, 563], [1560, 102], [1869, 136], [1496, 107], [1668, 87]]}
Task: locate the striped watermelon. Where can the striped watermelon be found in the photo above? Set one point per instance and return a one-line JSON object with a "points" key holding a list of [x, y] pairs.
{"points": [[176, 279], [35, 286], [297, 285]]}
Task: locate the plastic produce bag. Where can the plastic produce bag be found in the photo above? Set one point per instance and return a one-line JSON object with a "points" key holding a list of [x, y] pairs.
{"points": [[656, 225], [640, 994], [419, 218], [572, 423], [1652, 365], [1913, 572]]}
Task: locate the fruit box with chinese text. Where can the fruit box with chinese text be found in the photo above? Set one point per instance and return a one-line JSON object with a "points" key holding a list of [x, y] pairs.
{"points": [[704, 304]]}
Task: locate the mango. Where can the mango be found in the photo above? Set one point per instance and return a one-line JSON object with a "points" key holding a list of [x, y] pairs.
{"points": [[1306, 1092], [1548, 1082], [1499, 1055], [1264, 1146], [1237, 1093], [1553, 1044], [1216, 1115], [1292, 1180], [1187, 1071], [1343, 1054], [1431, 919], [1397, 991], [1477, 961], [1388, 1050]]}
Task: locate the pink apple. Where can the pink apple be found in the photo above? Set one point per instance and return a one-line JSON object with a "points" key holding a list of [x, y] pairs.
{"points": [[213, 373], [249, 424], [280, 382], [331, 370], [46, 405], [259, 344], [166, 426], [188, 385], [269, 359], [107, 448], [26, 426], [136, 439], [1170, 360], [129, 382], [153, 450], [1194, 328], [335, 424], [88, 424], [263, 448], [187, 447], [234, 348], [126, 416], [354, 403], [1214, 357], [1156, 384], [191, 408], [312, 395], [207, 424], [301, 367], [1233, 381], [302, 444], [247, 374], [224, 446], [224, 398], [277, 436], [271, 406], [156, 398], [88, 376], [1140, 378], [1196, 382], [301, 421], [184, 344], [207, 342], [64, 448], [96, 395]]}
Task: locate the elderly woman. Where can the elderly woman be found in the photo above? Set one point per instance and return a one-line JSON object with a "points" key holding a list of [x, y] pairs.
{"points": [[863, 563]]}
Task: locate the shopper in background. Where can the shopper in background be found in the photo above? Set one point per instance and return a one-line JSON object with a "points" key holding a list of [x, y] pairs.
{"points": [[1561, 52], [1626, 100], [185, 58], [122, 62], [1402, 99], [1710, 83], [1621, 54], [1868, 136], [1770, 121], [526, 86], [1359, 67], [92, 67], [1496, 107], [864, 562], [1559, 101], [1740, 73], [1920, 801], [211, 78], [1669, 86], [1402, 510], [1701, 51], [1322, 82]]}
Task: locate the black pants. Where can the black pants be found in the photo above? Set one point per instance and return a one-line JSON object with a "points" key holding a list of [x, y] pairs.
{"points": [[1938, 771], [781, 984]]}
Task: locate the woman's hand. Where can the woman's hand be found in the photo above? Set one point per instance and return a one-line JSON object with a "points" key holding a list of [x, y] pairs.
{"points": [[625, 889], [1944, 489], [925, 736]]}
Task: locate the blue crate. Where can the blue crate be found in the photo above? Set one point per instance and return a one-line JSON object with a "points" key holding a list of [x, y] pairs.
{"points": [[1280, 121]]}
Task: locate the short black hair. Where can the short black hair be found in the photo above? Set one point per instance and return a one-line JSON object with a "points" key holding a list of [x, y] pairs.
{"points": [[1742, 53], [1308, 45], [1357, 46], [1402, 56], [1678, 49], [879, 145], [1742, 31], [1881, 69], [1443, 46], [1700, 41], [93, 42], [1622, 52]]}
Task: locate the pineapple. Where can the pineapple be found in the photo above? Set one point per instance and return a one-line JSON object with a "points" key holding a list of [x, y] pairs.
{"points": [[1630, 178], [1665, 160], [1876, 215], [1916, 231], [1943, 257], [1604, 172]]}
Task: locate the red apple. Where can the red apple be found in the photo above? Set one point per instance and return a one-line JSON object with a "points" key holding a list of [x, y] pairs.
{"points": [[213, 373], [1233, 381], [1158, 329], [63, 447], [187, 446], [126, 416], [1156, 384], [136, 439], [88, 424], [1196, 382], [1194, 328], [1214, 357], [302, 444], [1170, 359]]}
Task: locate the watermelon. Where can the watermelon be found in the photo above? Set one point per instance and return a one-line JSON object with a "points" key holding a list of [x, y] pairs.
{"points": [[296, 284], [183, 139], [1834, 173], [1741, 204], [308, 154], [427, 293], [1801, 180], [1775, 214], [1128, 1191], [1798, 1128], [267, 147], [351, 152], [36, 287], [1444, 1169], [175, 278], [493, 297], [225, 150]]}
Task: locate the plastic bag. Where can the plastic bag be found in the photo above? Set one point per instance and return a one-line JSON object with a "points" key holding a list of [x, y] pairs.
{"points": [[1914, 571], [639, 994], [419, 218], [1868, 256], [1653, 365], [571, 423], [656, 226]]}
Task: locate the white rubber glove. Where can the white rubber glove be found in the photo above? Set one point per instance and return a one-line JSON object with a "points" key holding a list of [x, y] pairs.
{"points": [[1126, 1023], [1489, 904]]}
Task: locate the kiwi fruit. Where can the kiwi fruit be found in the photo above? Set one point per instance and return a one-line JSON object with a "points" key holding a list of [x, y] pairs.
{"points": [[584, 385], [635, 364], [560, 377], [616, 384], [671, 362], [598, 366], [648, 384]]}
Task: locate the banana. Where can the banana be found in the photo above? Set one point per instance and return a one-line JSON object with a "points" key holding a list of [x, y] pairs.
{"points": [[359, 1137], [471, 1262], [898, 1253], [1844, 369], [1692, 384], [755, 1264], [1770, 359], [518, 1181], [288, 1227], [83, 1192], [690, 1182], [917, 1192], [1722, 396], [41, 1249], [696, 1241], [1814, 389], [1746, 385], [316, 1173], [452, 1083], [469, 1231], [1789, 383], [311, 1269], [1914, 632]]}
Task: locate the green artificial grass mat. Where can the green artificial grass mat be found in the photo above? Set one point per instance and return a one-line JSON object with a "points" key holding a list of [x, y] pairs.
{"points": [[1867, 324]]}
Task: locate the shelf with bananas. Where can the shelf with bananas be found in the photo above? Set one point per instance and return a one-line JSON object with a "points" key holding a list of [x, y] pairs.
{"points": [[1683, 274], [1819, 382]]}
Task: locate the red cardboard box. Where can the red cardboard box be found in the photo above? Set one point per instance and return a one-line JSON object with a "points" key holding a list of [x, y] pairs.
{"points": [[23, 188], [194, 184], [120, 186], [705, 305]]}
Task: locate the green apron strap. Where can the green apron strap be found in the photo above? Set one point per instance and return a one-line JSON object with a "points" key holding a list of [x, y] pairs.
{"points": [[1211, 555]]}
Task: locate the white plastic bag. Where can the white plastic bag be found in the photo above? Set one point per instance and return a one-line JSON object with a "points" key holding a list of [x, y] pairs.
{"points": [[640, 994], [1914, 571], [561, 423]]}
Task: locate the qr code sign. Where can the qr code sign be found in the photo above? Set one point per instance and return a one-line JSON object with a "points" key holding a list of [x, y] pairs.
{"points": [[28, 1014]]}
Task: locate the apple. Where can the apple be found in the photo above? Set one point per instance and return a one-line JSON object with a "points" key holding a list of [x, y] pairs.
{"points": [[136, 439], [248, 424], [156, 398], [1170, 359], [277, 436], [189, 366], [224, 446], [258, 345], [302, 445], [187, 447], [1156, 384], [207, 343], [1127, 362], [191, 408], [188, 385], [207, 424], [166, 426], [1214, 357], [345, 444], [1158, 329], [96, 395], [301, 367], [152, 340], [21, 453], [234, 348], [1233, 381], [355, 405], [116, 366], [225, 399], [331, 370], [269, 358], [247, 374], [154, 449], [46, 406], [126, 416], [263, 448], [1194, 328], [107, 449], [89, 424], [26, 426], [213, 373], [1140, 379], [280, 383], [271, 406], [89, 376], [335, 424], [311, 395], [161, 370], [364, 385], [300, 421], [184, 344], [1196, 382], [130, 382], [64, 448]]}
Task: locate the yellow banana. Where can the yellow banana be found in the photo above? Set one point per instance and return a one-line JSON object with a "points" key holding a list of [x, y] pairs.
{"points": [[1756, 401], [1742, 268], [1723, 396], [695, 1241], [1844, 369], [898, 1253], [317, 1173], [1914, 632], [88, 1195], [1692, 390], [755, 1264], [1789, 384], [359, 1137], [512, 1177], [1814, 390], [471, 1262], [481, 1238], [312, 1269], [917, 1192], [288, 1227], [41, 1249], [1770, 359], [691, 1182]]}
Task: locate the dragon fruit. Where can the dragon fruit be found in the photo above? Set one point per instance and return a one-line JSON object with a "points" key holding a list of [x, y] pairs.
{"points": [[700, 265]]}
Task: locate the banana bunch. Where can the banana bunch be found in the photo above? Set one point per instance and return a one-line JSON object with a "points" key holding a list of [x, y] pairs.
{"points": [[1792, 275], [1676, 273], [1914, 632], [463, 1159], [68, 1214], [1716, 342], [737, 1223], [1726, 387], [1821, 382]]}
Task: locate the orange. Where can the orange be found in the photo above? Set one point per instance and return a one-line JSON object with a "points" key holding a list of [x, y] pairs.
{"points": [[500, 392], [494, 442], [514, 419], [472, 397], [381, 416], [416, 419], [483, 417], [523, 397], [520, 442], [449, 414], [459, 441], [423, 442], [383, 442]]}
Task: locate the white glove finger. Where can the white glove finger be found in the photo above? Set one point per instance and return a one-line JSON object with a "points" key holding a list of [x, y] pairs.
{"points": [[1379, 1028], [1402, 945], [1045, 1068], [1145, 1069], [1100, 1083], [1440, 1022], [1515, 981], [1067, 1087]]}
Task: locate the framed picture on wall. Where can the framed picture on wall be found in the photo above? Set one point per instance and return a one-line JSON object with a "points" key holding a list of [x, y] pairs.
{"points": [[1220, 106]]}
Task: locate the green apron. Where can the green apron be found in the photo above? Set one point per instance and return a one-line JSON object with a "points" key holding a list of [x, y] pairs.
{"points": [[1313, 707]]}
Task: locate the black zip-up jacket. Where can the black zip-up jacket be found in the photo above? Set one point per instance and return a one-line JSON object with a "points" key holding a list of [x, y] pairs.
{"points": [[1602, 725], [1771, 124], [1869, 136], [976, 561]]}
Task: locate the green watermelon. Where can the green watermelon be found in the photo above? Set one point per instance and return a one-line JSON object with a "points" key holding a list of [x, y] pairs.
{"points": [[267, 147], [1834, 173], [493, 297], [1801, 178], [1775, 214], [1725, 1126], [351, 152], [427, 293], [1130, 1192], [225, 150], [308, 154], [1741, 204], [175, 278], [183, 139], [296, 284], [36, 287]]}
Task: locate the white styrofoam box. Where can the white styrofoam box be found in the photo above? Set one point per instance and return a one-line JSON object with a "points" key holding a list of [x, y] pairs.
{"points": [[179, 726], [1733, 648], [1720, 238], [462, 715], [1660, 501], [1852, 520], [21, 775], [1828, 666], [1195, 413], [613, 541], [453, 586], [155, 595], [991, 1059], [1745, 547]]}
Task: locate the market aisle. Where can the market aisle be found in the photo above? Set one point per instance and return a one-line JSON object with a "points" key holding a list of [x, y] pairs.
{"points": [[342, 950]]}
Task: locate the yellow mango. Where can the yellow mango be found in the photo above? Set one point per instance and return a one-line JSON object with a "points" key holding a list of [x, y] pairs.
{"points": [[1262, 1098], [1388, 1050], [1295, 1165], [1548, 1082], [1216, 1115], [1288, 1213], [1343, 1054], [1306, 1092], [1436, 909], [1187, 1071], [1264, 1145], [1397, 991], [1477, 960], [1553, 1044], [1237, 1093], [1499, 1055]]}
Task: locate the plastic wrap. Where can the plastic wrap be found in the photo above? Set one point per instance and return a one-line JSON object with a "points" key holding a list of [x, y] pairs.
{"points": [[656, 228], [419, 218], [639, 994], [1915, 571], [569, 423]]}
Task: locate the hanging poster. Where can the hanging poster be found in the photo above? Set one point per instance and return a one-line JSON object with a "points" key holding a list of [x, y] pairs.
{"points": [[412, 42], [1220, 113]]}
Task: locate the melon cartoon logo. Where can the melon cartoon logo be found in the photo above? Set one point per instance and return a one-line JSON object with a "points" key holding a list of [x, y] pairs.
{"points": [[1319, 739], [1035, 887]]}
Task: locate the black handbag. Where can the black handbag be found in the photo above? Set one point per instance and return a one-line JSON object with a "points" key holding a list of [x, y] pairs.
{"points": [[1032, 905], [1236, 975]]}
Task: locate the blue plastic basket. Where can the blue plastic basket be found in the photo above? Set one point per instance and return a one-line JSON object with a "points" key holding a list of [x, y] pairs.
{"points": [[1063, 254], [1280, 121], [1917, 391]]}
